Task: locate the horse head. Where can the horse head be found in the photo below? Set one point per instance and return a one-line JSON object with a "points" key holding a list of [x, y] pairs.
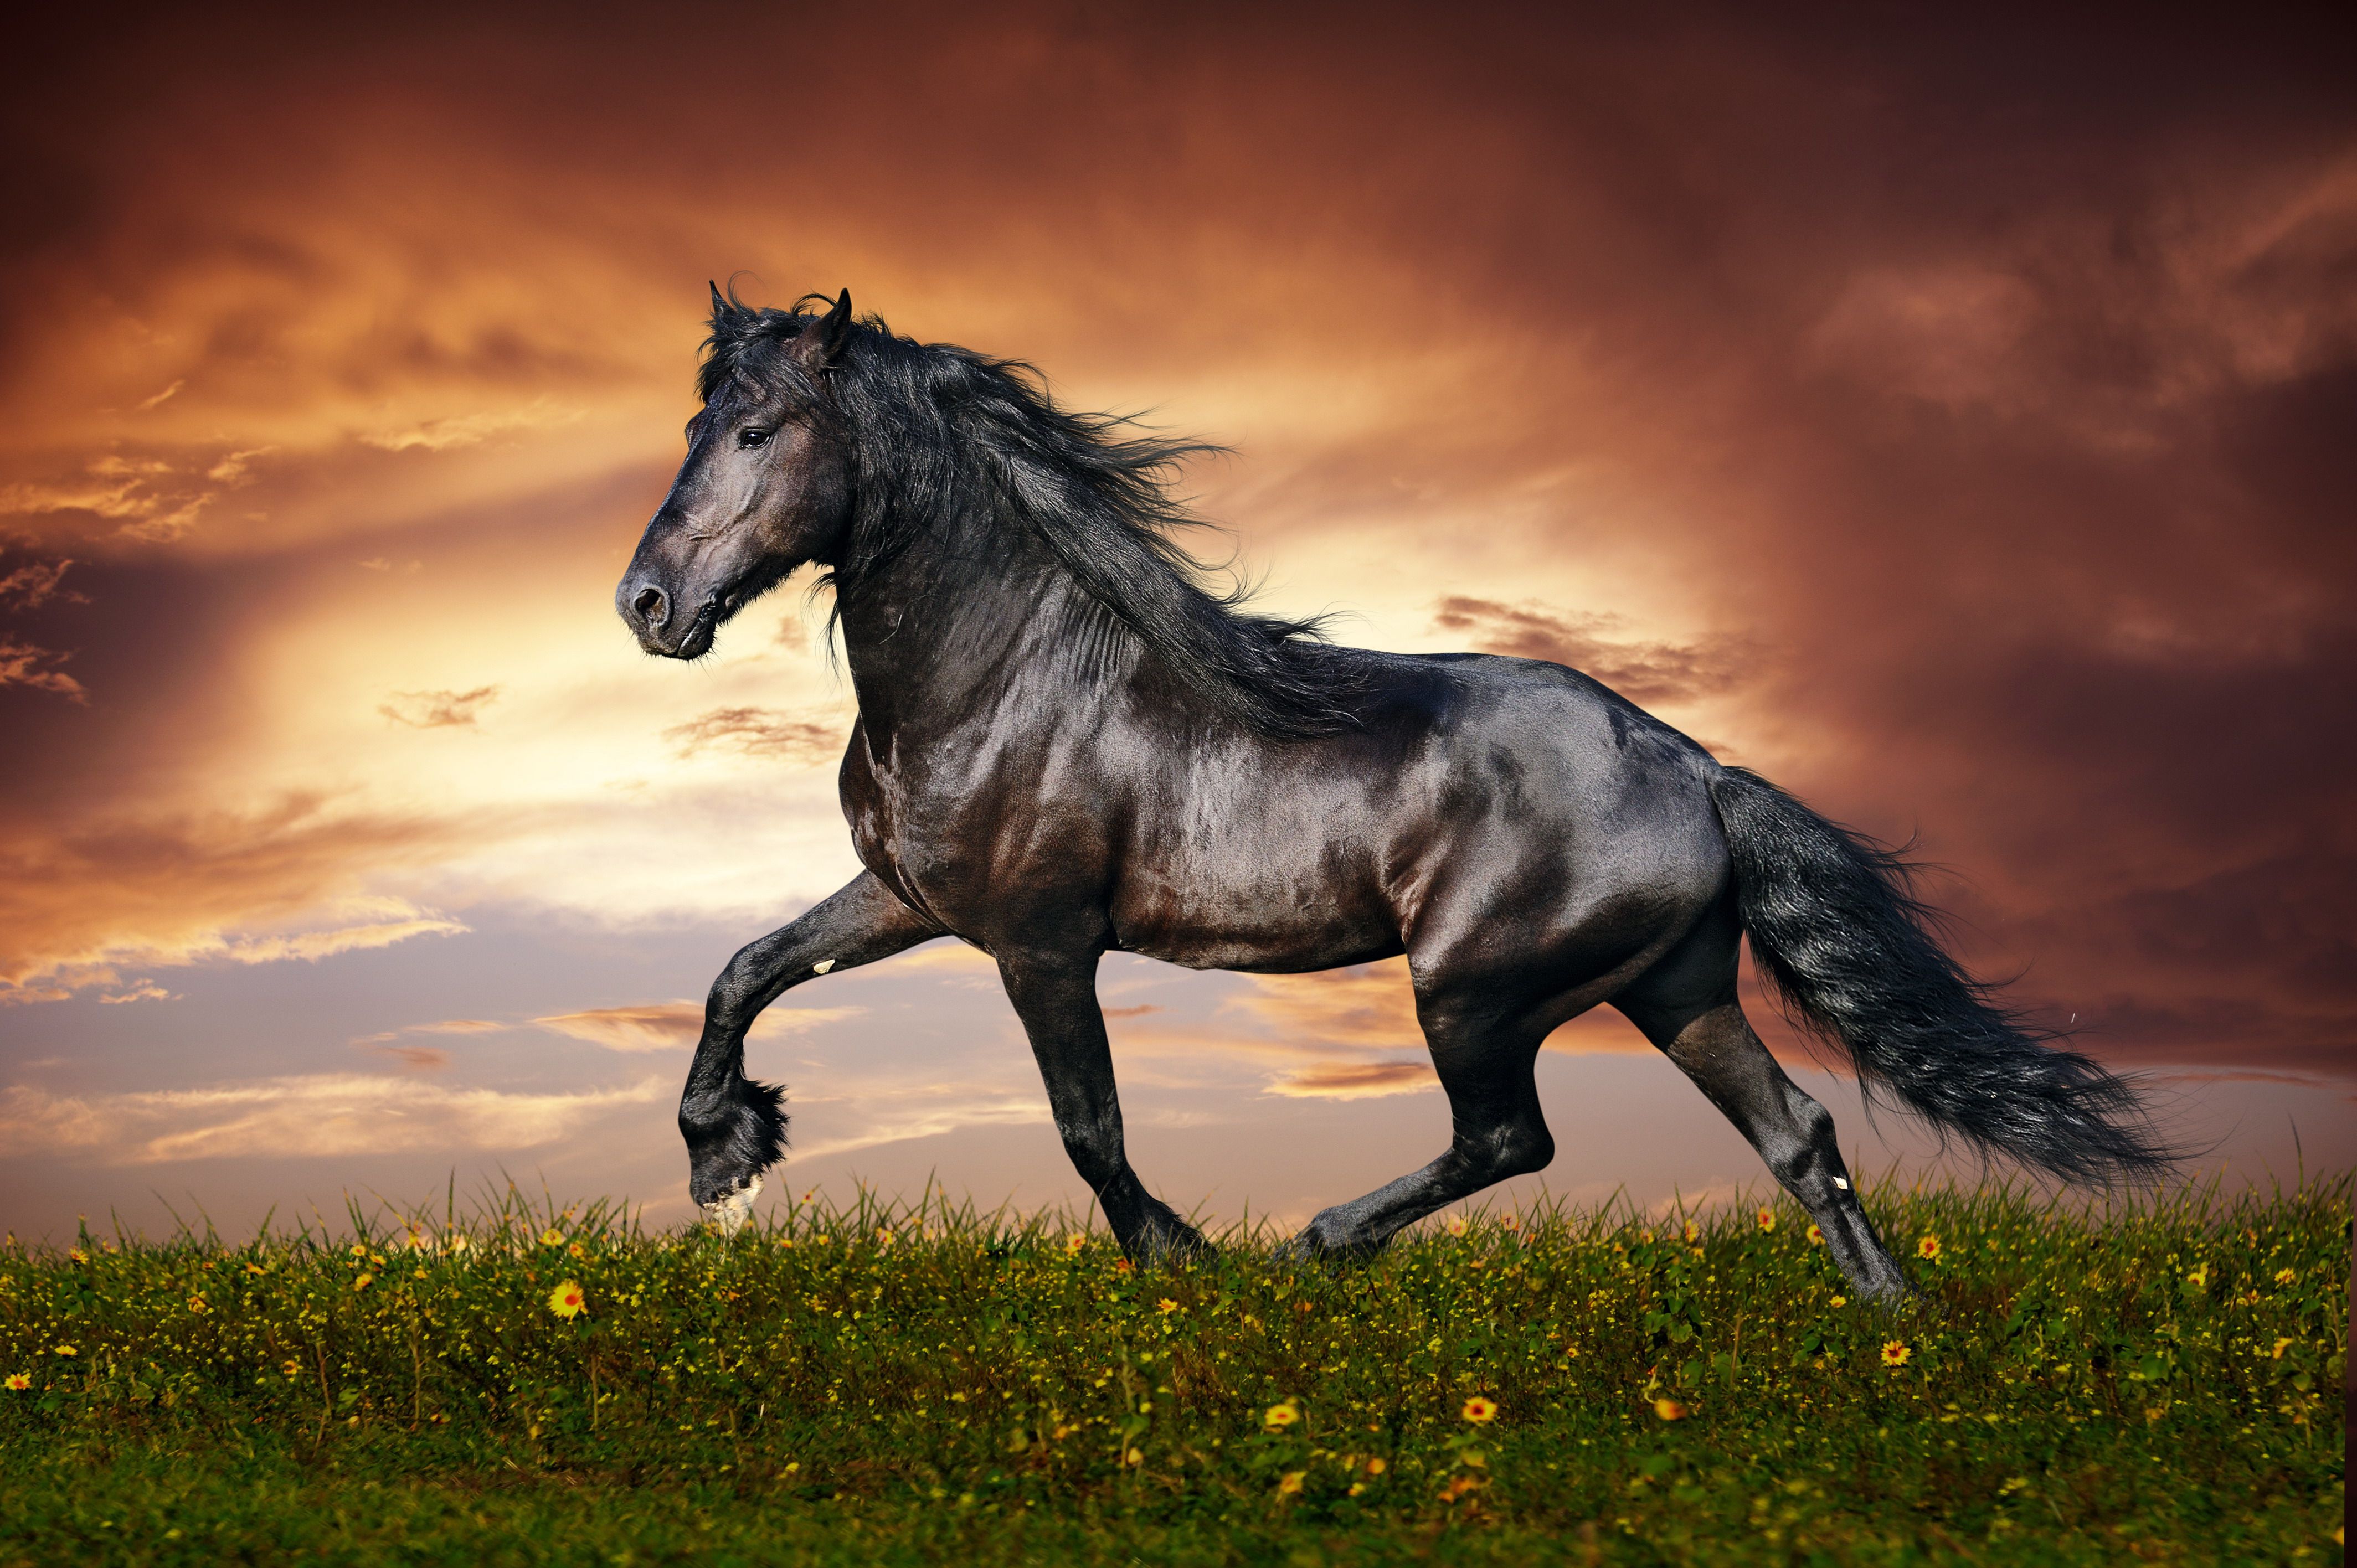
{"points": [[766, 485]]}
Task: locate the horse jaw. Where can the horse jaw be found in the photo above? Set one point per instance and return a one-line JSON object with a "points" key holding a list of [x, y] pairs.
{"points": [[728, 1212]]}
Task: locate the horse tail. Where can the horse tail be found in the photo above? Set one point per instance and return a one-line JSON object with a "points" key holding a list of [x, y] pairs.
{"points": [[1851, 954]]}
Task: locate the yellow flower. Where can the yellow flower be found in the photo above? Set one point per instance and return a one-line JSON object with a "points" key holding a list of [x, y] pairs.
{"points": [[1894, 1353], [66, 1350], [1073, 1243], [1816, 1237], [1135, 1456], [551, 1237], [76, 1255], [1376, 1467], [1458, 1225], [1480, 1411], [18, 1382], [290, 1368], [197, 1304], [1767, 1220], [1928, 1247], [363, 1281], [1669, 1410], [1841, 1301], [2199, 1277], [359, 1249], [2281, 1346], [566, 1300], [1694, 1232], [576, 1249], [2286, 1276], [1290, 1482], [1166, 1305], [459, 1241], [1282, 1415]]}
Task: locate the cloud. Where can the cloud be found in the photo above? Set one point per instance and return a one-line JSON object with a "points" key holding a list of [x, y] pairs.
{"points": [[459, 430], [1644, 672], [413, 1059], [23, 664], [162, 397], [445, 1026], [236, 468], [338, 1116], [677, 1025], [139, 991], [82, 905], [757, 732], [35, 583], [1355, 1081], [439, 710]]}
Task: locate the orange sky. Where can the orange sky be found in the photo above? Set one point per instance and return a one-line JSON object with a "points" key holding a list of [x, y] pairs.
{"points": [[1952, 423]]}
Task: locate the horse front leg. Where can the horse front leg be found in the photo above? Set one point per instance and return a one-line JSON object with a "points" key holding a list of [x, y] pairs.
{"points": [[733, 1128], [1057, 1000]]}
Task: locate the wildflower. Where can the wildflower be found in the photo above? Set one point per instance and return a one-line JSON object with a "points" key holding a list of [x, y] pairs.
{"points": [[66, 1350], [1290, 1482], [363, 1281], [459, 1241], [76, 1255], [1459, 1487], [1928, 1249], [1281, 1415], [576, 1249], [786, 1243], [1135, 1456], [1166, 1306], [2281, 1346], [19, 1381], [1694, 1232], [884, 1237], [2199, 1276], [1841, 1301], [1480, 1411], [1816, 1237], [1669, 1410], [552, 1236], [359, 1249], [566, 1300], [2286, 1276], [1073, 1243], [1458, 1225], [197, 1304], [1120, 1265], [1767, 1220], [290, 1368], [1894, 1353]]}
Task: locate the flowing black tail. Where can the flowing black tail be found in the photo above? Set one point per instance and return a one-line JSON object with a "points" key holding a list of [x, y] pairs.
{"points": [[1850, 953]]}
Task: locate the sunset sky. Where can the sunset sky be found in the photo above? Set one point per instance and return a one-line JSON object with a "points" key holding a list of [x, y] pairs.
{"points": [[1954, 420]]}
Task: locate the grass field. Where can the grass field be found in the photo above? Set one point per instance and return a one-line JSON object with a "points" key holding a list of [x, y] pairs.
{"points": [[2154, 1382]]}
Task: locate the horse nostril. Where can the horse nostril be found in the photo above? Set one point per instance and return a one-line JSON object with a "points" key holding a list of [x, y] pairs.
{"points": [[650, 606]]}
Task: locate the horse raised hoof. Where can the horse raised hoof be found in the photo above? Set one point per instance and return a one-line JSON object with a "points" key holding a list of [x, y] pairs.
{"points": [[728, 1212]]}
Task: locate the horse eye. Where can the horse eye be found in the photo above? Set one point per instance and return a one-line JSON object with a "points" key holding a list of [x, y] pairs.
{"points": [[752, 438]]}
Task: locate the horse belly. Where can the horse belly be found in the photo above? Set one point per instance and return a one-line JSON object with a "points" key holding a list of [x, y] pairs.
{"points": [[1255, 900]]}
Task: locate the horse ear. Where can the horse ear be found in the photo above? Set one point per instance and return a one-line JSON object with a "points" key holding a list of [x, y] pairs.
{"points": [[820, 347]]}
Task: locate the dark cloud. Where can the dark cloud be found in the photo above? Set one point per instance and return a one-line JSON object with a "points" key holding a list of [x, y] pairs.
{"points": [[1642, 672]]}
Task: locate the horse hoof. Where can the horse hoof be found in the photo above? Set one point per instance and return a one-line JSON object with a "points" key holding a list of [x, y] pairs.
{"points": [[728, 1212]]}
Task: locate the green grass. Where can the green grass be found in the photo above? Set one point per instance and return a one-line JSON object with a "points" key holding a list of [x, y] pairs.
{"points": [[2153, 1381]]}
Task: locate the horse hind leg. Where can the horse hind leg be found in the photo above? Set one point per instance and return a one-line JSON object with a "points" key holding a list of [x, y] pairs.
{"points": [[1702, 1028], [1485, 1065]]}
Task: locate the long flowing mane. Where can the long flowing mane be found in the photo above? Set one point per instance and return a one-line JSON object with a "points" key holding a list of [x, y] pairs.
{"points": [[934, 428]]}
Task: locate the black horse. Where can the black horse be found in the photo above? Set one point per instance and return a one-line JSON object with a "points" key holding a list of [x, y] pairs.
{"points": [[1067, 744]]}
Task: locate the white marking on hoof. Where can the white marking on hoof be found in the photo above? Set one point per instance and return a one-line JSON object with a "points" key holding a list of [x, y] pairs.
{"points": [[822, 966], [728, 1212], [1842, 1182]]}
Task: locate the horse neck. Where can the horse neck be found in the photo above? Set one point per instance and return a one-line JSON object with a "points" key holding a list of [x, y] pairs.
{"points": [[970, 609]]}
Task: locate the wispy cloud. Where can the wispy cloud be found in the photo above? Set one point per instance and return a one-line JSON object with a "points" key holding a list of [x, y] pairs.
{"points": [[676, 1025], [24, 664], [438, 710], [458, 430], [756, 731], [341, 1116], [35, 583]]}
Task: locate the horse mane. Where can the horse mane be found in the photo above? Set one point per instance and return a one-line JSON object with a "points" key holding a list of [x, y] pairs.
{"points": [[930, 423]]}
